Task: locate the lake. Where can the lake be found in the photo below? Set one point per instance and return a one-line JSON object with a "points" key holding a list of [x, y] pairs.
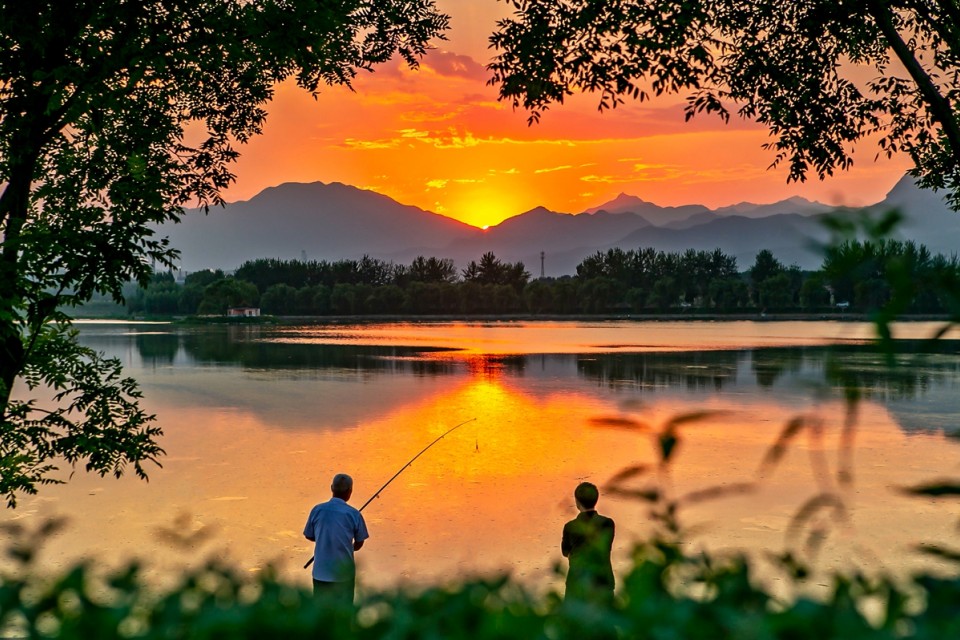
{"points": [[258, 419]]}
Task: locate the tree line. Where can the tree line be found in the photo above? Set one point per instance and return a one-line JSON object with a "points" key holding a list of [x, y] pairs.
{"points": [[855, 275]]}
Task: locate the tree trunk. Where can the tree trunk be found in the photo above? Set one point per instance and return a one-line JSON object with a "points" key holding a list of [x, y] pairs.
{"points": [[14, 205], [939, 107]]}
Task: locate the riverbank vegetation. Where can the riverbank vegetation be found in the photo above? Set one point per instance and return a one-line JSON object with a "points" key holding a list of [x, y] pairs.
{"points": [[667, 594], [855, 276]]}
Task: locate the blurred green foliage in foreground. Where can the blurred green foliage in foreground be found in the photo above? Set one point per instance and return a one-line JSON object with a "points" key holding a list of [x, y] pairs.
{"points": [[667, 594]]}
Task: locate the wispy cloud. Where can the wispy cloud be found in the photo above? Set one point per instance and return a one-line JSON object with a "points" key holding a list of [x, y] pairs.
{"points": [[552, 169], [607, 179], [451, 139], [353, 143], [449, 64]]}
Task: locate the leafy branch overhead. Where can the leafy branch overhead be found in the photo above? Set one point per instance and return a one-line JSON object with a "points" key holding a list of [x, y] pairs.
{"points": [[113, 116], [820, 74]]}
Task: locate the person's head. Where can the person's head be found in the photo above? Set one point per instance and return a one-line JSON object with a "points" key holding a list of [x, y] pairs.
{"points": [[586, 494], [342, 486]]}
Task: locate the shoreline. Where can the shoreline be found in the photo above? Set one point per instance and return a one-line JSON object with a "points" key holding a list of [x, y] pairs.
{"points": [[525, 317]]}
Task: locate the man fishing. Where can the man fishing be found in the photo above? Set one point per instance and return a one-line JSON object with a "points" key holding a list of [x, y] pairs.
{"points": [[587, 541], [355, 538], [338, 530]]}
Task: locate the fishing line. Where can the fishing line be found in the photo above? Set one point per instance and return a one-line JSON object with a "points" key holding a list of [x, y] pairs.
{"points": [[404, 467]]}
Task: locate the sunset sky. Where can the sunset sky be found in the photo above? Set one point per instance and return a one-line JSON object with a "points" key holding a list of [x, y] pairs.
{"points": [[438, 138]]}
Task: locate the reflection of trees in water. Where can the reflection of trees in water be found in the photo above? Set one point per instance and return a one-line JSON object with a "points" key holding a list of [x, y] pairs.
{"points": [[693, 370], [244, 346], [769, 365], [858, 369], [907, 373], [839, 369], [228, 349], [158, 348]]}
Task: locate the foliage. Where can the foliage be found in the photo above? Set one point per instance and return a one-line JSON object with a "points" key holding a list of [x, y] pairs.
{"points": [[667, 593], [887, 276], [113, 116], [432, 270], [662, 279], [223, 294], [615, 281], [774, 285], [95, 420], [492, 271], [819, 74], [872, 274]]}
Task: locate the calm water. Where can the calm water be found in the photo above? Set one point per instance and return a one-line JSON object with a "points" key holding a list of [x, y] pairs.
{"points": [[257, 420]]}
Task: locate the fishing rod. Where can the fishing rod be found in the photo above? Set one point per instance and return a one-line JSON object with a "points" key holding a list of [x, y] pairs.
{"points": [[403, 468]]}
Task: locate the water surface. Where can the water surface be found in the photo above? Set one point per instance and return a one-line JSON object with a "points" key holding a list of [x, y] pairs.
{"points": [[258, 419]]}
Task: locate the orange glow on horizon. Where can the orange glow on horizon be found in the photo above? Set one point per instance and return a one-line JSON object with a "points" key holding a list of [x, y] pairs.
{"points": [[437, 138]]}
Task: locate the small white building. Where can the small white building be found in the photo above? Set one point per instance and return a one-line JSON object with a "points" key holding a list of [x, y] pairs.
{"points": [[243, 312]]}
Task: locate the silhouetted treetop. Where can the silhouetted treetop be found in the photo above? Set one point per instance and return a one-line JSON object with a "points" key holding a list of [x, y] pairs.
{"points": [[820, 74], [113, 116]]}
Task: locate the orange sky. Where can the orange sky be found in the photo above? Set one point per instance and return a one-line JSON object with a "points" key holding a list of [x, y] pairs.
{"points": [[438, 138]]}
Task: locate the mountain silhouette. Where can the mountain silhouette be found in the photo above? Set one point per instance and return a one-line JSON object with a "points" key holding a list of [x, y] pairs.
{"points": [[335, 221], [926, 217], [653, 213], [321, 221]]}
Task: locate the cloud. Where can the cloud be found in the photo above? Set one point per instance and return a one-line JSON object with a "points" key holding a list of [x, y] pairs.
{"points": [[440, 183], [450, 139], [458, 138], [445, 63], [424, 115], [640, 173], [353, 143], [606, 179], [552, 169]]}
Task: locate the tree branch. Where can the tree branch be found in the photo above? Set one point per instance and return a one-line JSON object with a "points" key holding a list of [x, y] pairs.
{"points": [[937, 105], [947, 29], [950, 8]]}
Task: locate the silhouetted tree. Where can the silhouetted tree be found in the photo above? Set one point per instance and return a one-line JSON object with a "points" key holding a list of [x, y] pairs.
{"points": [[113, 116], [491, 270], [797, 68], [279, 299], [432, 270], [229, 292]]}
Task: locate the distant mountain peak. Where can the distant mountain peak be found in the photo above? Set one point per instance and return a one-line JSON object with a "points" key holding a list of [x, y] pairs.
{"points": [[793, 204], [627, 198], [540, 210], [623, 203]]}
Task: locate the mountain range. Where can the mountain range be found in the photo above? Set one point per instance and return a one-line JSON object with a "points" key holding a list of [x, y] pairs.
{"points": [[319, 221]]}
